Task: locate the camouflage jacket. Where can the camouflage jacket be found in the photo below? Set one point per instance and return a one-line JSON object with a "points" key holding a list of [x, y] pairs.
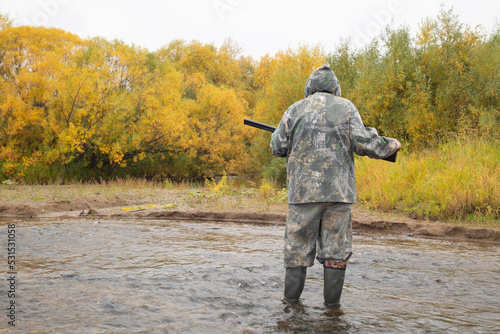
{"points": [[318, 136]]}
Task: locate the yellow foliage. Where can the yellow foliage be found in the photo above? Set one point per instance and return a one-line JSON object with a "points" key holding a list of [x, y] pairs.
{"points": [[93, 108], [266, 189], [224, 186], [5, 22], [216, 130]]}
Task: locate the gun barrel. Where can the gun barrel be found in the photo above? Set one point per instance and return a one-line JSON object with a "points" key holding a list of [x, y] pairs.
{"points": [[259, 125]]}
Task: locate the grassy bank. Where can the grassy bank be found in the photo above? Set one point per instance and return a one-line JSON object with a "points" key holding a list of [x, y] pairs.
{"points": [[458, 181]]}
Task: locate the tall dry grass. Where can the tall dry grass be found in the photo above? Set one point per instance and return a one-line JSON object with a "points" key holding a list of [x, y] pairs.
{"points": [[459, 180]]}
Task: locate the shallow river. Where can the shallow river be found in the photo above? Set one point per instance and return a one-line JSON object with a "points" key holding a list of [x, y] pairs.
{"points": [[112, 276]]}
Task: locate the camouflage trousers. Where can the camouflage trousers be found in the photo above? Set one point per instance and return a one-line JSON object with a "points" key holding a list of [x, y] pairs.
{"points": [[322, 228]]}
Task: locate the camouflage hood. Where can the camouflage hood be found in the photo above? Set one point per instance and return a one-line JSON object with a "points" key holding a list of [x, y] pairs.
{"points": [[322, 80]]}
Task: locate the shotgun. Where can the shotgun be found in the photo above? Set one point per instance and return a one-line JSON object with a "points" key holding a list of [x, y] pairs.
{"points": [[270, 128], [259, 125]]}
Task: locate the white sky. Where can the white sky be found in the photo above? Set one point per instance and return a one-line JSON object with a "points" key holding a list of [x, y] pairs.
{"points": [[257, 26]]}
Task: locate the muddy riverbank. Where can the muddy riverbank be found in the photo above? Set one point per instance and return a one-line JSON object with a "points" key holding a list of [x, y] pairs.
{"points": [[362, 221], [141, 202]]}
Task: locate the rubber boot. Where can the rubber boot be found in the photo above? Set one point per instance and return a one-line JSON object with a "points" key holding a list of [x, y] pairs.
{"points": [[334, 282], [294, 283]]}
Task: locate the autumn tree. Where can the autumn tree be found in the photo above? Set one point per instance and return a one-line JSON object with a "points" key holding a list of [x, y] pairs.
{"points": [[94, 108], [217, 91], [27, 57], [459, 63], [79, 104], [421, 89], [73, 108], [5, 22]]}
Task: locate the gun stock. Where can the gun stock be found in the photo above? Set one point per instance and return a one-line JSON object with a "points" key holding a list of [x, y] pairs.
{"points": [[392, 158]]}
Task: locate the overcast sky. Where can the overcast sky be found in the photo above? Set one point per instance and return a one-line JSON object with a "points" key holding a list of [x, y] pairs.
{"points": [[257, 26]]}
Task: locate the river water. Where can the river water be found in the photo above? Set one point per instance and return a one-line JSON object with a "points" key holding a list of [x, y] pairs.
{"points": [[129, 276]]}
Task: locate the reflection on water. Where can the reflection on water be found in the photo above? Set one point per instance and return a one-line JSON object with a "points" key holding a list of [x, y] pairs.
{"points": [[80, 276]]}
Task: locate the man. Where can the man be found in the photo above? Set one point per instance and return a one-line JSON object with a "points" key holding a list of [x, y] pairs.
{"points": [[318, 136]]}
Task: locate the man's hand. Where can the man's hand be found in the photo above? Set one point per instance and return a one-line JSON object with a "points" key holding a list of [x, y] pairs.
{"points": [[398, 144]]}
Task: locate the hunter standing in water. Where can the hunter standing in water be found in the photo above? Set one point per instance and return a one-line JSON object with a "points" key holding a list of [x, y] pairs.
{"points": [[318, 136]]}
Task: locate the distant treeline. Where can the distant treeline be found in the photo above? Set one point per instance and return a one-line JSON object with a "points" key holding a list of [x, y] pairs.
{"points": [[80, 109]]}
